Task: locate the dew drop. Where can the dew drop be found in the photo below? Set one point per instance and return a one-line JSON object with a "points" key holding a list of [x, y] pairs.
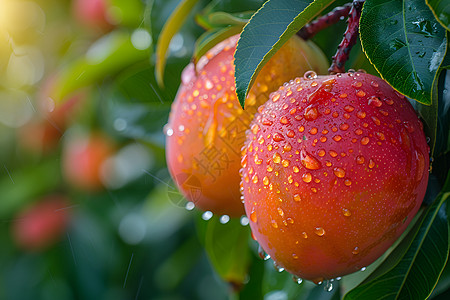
{"points": [[280, 211], [333, 153], [371, 164], [274, 224], [297, 279], [319, 231], [284, 120], [328, 286], [339, 172], [349, 108], [363, 269], [207, 215], [224, 219], [168, 131], [347, 182], [365, 140], [360, 93], [262, 253], [295, 169], [255, 179], [346, 212], [287, 147], [344, 126], [277, 137], [361, 114], [266, 122], [266, 180], [308, 161], [311, 113], [304, 235], [375, 101], [337, 138], [307, 177], [276, 158], [190, 206], [278, 267], [321, 152], [244, 221], [355, 250], [297, 198], [276, 97], [374, 84], [310, 75]]}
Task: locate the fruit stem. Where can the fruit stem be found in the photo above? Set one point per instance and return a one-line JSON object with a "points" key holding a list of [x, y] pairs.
{"points": [[349, 40], [334, 16]]}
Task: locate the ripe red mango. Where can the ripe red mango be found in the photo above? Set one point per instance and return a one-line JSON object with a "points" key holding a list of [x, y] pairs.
{"points": [[334, 170]]}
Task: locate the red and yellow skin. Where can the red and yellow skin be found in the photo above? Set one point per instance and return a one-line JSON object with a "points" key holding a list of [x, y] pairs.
{"points": [[334, 170], [206, 128]]}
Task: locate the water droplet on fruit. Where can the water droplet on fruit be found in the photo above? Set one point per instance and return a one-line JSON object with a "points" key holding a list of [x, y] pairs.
{"points": [[280, 211], [297, 198], [276, 97], [207, 215], [297, 279], [346, 212], [262, 253], [308, 161], [307, 177], [266, 180], [344, 126], [355, 250], [319, 231], [244, 221], [339, 172], [224, 219], [276, 158], [311, 113], [371, 164], [375, 101], [278, 267], [168, 131], [310, 75], [296, 169], [365, 140], [277, 137], [360, 93], [253, 216], [328, 286], [190, 206], [304, 235], [285, 163], [347, 182], [363, 269], [337, 138], [284, 120], [274, 224]]}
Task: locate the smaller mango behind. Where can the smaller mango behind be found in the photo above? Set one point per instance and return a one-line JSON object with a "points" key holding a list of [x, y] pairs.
{"points": [[206, 128]]}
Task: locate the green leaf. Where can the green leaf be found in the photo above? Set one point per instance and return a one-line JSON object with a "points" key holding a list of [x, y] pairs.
{"points": [[417, 273], [223, 18], [171, 27], [441, 10], [406, 45], [227, 248], [268, 29], [140, 105], [211, 38], [107, 56], [23, 186]]}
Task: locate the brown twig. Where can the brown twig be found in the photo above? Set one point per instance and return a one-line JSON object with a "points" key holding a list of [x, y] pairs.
{"points": [[350, 37], [334, 16]]}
